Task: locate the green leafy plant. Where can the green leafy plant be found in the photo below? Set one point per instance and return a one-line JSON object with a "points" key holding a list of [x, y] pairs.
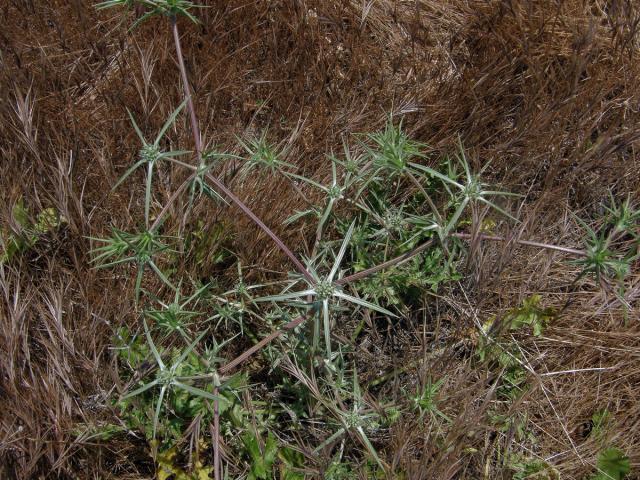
{"points": [[613, 464], [527, 468], [168, 469], [377, 244], [600, 422], [261, 458], [502, 354], [392, 151], [170, 377], [14, 243], [530, 314], [425, 400]]}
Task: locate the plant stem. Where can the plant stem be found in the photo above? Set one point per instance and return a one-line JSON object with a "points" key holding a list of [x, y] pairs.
{"points": [[216, 434], [261, 344], [169, 202], [247, 211], [187, 91], [196, 137], [529, 243], [389, 263]]}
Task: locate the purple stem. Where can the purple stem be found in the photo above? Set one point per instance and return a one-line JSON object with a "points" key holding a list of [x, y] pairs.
{"points": [[221, 186], [495, 238]]}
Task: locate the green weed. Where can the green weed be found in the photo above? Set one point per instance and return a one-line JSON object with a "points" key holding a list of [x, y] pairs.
{"points": [[613, 464], [14, 243]]}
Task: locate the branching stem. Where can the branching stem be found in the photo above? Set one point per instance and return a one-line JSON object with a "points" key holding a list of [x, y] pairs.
{"points": [[195, 130]]}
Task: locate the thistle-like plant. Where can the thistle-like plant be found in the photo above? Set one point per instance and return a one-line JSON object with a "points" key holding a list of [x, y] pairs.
{"points": [[334, 192], [174, 316], [263, 155], [600, 260], [150, 154], [357, 419], [393, 150], [324, 290], [169, 8], [233, 305], [356, 165], [425, 399], [198, 185], [168, 377], [139, 248], [393, 220], [471, 190], [424, 225], [623, 217]]}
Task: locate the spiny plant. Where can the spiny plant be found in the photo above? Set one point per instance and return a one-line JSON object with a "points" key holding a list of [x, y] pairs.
{"points": [[198, 185], [334, 192], [471, 190], [169, 8], [600, 261], [389, 240], [169, 377], [359, 419], [174, 316], [150, 154], [323, 290], [611, 249], [139, 248], [392, 151], [263, 155]]}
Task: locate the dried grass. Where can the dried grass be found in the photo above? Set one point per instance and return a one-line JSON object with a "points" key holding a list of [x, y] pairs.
{"points": [[548, 92]]}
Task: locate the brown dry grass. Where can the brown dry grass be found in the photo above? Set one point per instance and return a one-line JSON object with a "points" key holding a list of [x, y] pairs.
{"points": [[548, 91]]}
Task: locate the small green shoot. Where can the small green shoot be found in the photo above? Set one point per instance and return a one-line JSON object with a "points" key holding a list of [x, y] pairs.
{"points": [[425, 400], [613, 464]]}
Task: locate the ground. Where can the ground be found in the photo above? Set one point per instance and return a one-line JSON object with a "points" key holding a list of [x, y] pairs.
{"points": [[544, 98]]}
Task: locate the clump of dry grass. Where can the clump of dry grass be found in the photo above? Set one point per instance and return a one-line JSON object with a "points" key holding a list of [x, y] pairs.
{"points": [[548, 92]]}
